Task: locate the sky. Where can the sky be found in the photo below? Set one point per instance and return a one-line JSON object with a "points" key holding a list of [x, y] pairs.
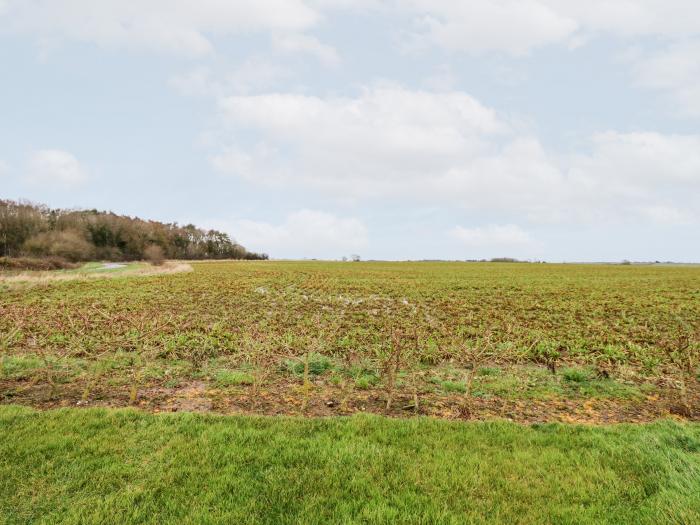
{"points": [[554, 130]]}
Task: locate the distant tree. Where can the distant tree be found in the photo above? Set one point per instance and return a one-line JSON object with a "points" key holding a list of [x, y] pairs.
{"points": [[18, 222], [355, 258], [31, 229]]}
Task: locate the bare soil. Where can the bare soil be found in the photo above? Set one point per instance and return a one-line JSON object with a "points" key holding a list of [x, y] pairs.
{"points": [[322, 400]]}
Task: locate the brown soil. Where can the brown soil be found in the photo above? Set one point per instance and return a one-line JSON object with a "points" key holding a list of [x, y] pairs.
{"points": [[289, 398]]}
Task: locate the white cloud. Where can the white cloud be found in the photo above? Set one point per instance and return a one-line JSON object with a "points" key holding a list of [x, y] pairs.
{"points": [[676, 71], [4, 168], [254, 74], [300, 43], [513, 26], [305, 233], [416, 146], [386, 137], [54, 167], [520, 26], [650, 176], [348, 4], [178, 26], [504, 236], [630, 18], [642, 159], [474, 26], [517, 27]]}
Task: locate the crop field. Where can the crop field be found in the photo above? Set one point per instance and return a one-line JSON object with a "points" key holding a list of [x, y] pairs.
{"points": [[527, 342], [147, 395]]}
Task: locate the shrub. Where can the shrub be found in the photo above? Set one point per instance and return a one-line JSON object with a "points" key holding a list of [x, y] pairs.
{"points": [[68, 244], [29, 263], [154, 254]]}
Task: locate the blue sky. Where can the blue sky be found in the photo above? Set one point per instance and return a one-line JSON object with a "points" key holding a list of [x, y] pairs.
{"points": [[540, 129]]}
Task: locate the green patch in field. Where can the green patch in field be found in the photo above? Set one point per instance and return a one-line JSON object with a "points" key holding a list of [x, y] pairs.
{"points": [[226, 378], [614, 354], [19, 367], [531, 382], [513, 385], [430, 353], [122, 367], [584, 382], [197, 346], [366, 381], [546, 351], [318, 364], [450, 386], [363, 375], [50, 368], [576, 375]]}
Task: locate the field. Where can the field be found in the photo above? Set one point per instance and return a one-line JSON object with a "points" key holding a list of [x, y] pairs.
{"points": [[527, 342], [506, 360]]}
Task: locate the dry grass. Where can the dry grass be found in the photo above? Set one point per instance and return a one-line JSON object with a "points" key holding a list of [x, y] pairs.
{"points": [[37, 278]]}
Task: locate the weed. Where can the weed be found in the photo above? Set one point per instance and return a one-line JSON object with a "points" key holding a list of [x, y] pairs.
{"points": [[366, 381], [311, 364], [575, 375], [450, 386], [226, 378]]}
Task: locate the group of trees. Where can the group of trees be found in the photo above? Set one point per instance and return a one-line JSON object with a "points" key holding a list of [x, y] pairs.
{"points": [[28, 229]]}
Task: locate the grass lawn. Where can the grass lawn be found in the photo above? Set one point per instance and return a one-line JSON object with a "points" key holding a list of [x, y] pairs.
{"points": [[124, 466]]}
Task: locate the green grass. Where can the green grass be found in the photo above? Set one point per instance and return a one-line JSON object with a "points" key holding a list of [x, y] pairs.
{"points": [[226, 378], [318, 364], [538, 383], [450, 386], [74, 466]]}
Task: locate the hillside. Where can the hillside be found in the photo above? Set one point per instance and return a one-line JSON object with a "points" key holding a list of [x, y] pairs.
{"points": [[35, 230]]}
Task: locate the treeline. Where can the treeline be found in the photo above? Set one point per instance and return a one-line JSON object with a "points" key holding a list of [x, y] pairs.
{"points": [[34, 230]]}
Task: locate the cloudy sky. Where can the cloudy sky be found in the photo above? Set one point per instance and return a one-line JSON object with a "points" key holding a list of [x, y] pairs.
{"points": [[542, 129]]}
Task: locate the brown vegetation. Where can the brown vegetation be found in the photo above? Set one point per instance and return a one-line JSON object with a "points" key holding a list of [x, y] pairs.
{"points": [[35, 264], [81, 235], [154, 254]]}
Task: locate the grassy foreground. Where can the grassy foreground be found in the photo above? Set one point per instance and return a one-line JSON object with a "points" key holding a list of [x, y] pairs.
{"points": [[124, 466]]}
